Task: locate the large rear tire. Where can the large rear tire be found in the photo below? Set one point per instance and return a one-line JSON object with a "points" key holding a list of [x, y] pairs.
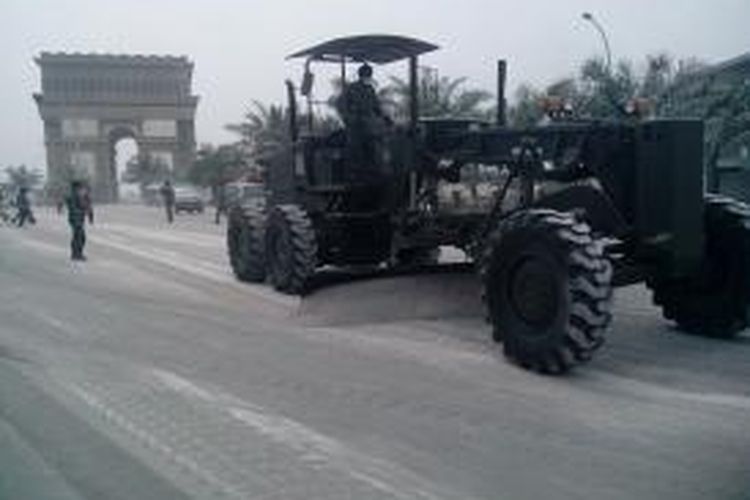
{"points": [[246, 244], [547, 288], [291, 248], [715, 302]]}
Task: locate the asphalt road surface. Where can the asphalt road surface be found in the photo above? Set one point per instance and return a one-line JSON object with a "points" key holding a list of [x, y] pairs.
{"points": [[149, 373]]}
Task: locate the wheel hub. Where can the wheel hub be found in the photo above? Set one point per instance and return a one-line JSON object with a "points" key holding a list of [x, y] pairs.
{"points": [[533, 292]]}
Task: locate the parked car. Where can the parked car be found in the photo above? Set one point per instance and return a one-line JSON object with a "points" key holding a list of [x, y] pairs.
{"points": [[188, 199]]}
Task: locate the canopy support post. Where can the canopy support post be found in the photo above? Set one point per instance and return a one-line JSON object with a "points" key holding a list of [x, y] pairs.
{"points": [[413, 94]]}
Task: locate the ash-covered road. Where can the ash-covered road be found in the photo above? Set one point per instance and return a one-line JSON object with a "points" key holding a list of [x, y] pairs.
{"points": [[148, 372]]}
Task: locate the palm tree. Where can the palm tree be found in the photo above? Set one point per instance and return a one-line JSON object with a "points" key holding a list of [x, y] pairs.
{"points": [[21, 176], [215, 166], [265, 133], [439, 96]]}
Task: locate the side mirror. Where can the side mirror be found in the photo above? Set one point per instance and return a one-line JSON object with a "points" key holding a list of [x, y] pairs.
{"points": [[307, 83]]}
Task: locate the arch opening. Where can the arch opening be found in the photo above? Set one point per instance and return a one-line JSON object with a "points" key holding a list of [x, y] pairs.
{"points": [[124, 153]]}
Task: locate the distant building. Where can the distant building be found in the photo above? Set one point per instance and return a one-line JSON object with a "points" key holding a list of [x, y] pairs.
{"points": [[89, 102]]}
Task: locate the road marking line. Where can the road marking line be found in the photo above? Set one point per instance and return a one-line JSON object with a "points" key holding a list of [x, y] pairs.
{"points": [[312, 446], [152, 442]]}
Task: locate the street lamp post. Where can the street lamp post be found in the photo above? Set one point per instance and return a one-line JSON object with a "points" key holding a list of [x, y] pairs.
{"points": [[608, 80], [588, 16]]}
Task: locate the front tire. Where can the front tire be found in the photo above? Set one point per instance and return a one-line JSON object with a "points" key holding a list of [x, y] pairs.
{"points": [[246, 244], [547, 288], [715, 302], [291, 248]]}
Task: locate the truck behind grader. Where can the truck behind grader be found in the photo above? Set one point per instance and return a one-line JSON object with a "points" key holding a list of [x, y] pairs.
{"points": [[579, 207]]}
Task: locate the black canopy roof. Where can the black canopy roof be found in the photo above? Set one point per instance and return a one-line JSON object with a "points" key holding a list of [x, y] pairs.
{"points": [[378, 49]]}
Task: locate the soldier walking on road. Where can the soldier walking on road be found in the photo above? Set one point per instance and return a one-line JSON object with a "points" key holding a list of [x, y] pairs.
{"points": [[23, 205], [78, 203], [167, 194], [5, 216], [220, 197]]}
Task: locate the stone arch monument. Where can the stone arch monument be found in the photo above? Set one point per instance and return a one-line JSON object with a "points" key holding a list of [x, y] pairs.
{"points": [[89, 102]]}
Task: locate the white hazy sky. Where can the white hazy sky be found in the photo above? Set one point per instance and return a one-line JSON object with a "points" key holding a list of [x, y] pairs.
{"points": [[238, 46]]}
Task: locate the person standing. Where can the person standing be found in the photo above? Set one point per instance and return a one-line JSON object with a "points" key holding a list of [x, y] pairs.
{"points": [[23, 205], [4, 215], [220, 198], [363, 116], [167, 194], [78, 203]]}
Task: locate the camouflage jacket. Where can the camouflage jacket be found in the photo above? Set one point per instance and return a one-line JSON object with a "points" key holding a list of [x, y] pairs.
{"points": [[79, 207], [359, 105]]}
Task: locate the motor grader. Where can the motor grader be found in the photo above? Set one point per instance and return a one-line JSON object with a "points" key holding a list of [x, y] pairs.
{"points": [[578, 207]]}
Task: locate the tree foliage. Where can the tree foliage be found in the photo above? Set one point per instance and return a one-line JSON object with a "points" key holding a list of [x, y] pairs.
{"points": [[526, 110], [439, 96], [264, 132], [265, 135], [215, 166], [599, 92], [21, 176]]}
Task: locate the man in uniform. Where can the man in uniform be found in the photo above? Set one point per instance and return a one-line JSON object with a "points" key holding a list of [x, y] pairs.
{"points": [[363, 116], [220, 197], [23, 205], [78, 203], [167, 194], [4, 215]]}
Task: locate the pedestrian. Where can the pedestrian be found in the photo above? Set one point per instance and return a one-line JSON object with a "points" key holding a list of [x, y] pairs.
{"points": [[23, 205], [220, 197], [78, 203], [167, 194], [59, 196], [4, 215]]}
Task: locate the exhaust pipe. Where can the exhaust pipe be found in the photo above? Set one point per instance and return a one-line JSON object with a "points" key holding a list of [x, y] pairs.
{"points": [[502, 69]]}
